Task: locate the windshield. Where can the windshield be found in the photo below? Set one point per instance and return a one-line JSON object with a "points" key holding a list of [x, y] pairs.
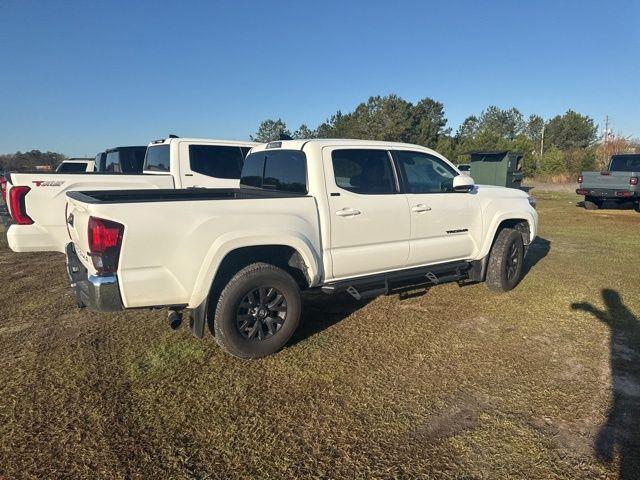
{"points": [[625, 163]]}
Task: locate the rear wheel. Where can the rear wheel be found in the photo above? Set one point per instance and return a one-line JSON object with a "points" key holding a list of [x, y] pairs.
{"points": [[591, 203], [258, 311], [505, 261], [636, 207]]}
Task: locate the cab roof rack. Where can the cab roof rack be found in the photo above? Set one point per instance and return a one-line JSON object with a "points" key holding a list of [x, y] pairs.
{"points": [[162, 140]]}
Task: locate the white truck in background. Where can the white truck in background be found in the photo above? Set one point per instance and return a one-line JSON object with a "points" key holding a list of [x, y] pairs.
{"points": [[77, 165], [364, 217], [37, 201]]}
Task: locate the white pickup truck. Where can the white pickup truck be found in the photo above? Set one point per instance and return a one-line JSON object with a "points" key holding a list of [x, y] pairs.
{"points": [[359, 216], [37, 201], [77, 165]]}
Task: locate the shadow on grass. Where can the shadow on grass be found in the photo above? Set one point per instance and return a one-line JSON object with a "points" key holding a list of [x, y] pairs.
{"points": [[621, 431], [321, 311], [536, 252], [610, 205]]}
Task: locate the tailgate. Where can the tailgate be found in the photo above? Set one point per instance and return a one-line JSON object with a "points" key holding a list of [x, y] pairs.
{"points": [[608, 180]]}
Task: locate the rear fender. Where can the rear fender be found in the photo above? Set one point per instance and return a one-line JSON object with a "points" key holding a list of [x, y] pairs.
{"points": [[230, 242]]}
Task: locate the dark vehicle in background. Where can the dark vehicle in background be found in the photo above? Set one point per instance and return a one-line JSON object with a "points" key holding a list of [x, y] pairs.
{"points": [[464, 167], [121, 160], [619, 183]]}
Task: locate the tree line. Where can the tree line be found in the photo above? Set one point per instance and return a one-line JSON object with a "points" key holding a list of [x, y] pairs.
{"points": [[21, 161], [563, 145]]}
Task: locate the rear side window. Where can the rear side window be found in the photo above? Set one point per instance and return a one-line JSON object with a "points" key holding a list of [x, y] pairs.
{"points": [[72, 167], [280, 170], [216, 161], [157, 159], [367, 172]]}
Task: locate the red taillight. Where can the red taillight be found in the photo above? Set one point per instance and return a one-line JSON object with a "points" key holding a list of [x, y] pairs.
{"points": [[3, 187], [580, 179], [582, 191], [633, 181], [105, 239], [17, 205]]}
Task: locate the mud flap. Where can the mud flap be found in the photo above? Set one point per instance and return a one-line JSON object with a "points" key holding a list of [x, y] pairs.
{"points": [[198, 319]]}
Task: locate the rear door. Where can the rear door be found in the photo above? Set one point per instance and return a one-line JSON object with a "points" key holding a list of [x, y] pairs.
{"points": [[370, 224], [444, 223], [210, 165]]}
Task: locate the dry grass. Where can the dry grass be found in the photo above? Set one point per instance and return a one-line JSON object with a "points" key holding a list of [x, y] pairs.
{"points": [[458, 383]]}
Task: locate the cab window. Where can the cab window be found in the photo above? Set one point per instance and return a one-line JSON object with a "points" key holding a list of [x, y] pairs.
{"points": [[424, 173], [363, 171], [216, 160]]}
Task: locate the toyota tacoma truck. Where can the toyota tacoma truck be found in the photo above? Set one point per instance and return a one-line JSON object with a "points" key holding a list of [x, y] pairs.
{"points": [[37, 201], [362, 217], [618, 183]]}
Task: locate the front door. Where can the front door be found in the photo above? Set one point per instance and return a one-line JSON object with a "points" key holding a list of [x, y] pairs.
{"points": [[444, 223], [370, 224]]}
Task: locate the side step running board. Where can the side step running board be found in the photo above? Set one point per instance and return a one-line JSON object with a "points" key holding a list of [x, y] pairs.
{"points": [[396, 282]]}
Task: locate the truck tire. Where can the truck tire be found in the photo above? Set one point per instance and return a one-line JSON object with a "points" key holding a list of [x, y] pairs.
{"points": [[591, 203], [257, 312], [636, 207], [505, 261]]}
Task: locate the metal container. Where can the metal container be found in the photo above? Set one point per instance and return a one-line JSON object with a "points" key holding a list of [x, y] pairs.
{"points": [[503, 169]]}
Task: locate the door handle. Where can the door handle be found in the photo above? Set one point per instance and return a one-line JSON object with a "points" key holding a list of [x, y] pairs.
{"points": [[421, 207], [348, 212]]}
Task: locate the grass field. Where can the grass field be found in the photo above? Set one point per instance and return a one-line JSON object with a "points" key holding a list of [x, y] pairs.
{"points": [[460, 383]]}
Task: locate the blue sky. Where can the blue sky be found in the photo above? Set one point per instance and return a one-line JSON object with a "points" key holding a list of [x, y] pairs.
{"points": [[78, 77]]}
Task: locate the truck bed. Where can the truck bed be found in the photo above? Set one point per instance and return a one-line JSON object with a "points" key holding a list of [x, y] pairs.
{"points": [[46, 200], [172, 195], [173, 239]]}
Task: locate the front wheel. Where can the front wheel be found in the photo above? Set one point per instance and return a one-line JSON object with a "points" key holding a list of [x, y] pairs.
{"points": [[258, 311], [505, 261]]}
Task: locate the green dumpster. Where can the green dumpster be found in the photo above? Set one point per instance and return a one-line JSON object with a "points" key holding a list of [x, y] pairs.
{"points": [[503, 169]]}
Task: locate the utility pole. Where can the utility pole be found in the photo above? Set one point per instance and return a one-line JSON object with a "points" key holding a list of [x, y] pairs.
{"points": [[542, 141]]}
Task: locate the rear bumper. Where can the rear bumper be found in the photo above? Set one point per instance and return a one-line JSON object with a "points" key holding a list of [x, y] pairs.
{"points": [[99, 293], [30, 238], [608, 193]]}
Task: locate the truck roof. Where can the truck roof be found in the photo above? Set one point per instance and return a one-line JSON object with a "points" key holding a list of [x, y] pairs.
{"points": [[333, 142], [202, 140]]}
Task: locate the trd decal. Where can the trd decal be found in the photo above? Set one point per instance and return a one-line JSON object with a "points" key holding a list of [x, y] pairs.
{"points": [[460, 230], [47, 183]]}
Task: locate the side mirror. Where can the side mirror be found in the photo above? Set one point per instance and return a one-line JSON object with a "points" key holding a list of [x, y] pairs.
{"points": [[463, 183]]}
